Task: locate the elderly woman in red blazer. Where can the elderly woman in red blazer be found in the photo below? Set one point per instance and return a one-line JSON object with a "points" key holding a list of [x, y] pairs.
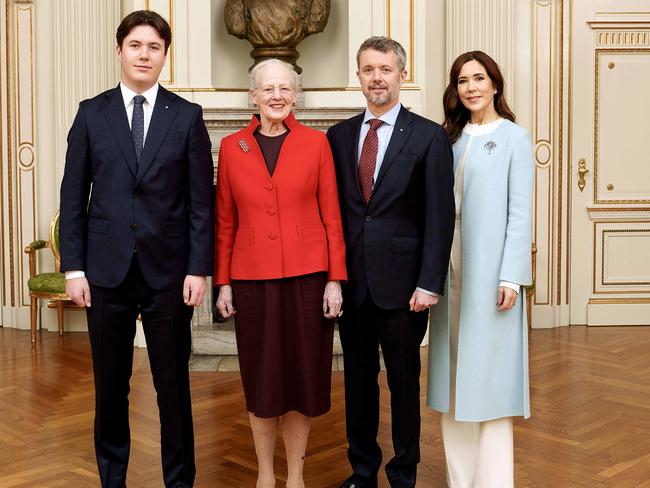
{"points": [[279, 261]]}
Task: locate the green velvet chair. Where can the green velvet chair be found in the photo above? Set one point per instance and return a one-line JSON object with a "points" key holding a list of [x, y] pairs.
{"points": [[48, 286]]}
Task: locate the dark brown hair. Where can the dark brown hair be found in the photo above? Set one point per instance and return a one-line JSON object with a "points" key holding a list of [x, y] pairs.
{"points": [[144, 17], [456, 115]]}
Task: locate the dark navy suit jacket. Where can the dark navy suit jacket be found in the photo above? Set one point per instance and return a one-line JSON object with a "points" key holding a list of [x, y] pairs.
{"points": [[162, 207], [400, 240]]}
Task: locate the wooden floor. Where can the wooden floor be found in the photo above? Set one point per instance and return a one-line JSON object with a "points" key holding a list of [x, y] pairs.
{"points": [[590, 424]]}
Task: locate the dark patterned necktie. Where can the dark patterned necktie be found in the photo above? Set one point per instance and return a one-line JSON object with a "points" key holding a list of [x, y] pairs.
{"points": [[137, 125], [368, 159]]}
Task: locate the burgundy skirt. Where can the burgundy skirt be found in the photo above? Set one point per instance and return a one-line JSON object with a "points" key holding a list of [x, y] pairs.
{"points": [[284, 345]]}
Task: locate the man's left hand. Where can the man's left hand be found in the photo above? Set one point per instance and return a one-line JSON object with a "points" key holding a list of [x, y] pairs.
{"points": [[194, 290], [421, 301]]}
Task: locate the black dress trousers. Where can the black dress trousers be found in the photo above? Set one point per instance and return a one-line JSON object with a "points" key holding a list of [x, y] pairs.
{"points": [[399, 333], [111, 325]]}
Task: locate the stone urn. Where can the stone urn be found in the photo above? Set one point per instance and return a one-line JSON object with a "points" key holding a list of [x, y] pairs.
{"points": [[276, 27]]}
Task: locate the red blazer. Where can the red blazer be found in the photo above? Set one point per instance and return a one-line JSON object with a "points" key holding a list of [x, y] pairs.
{"points": [[280, 226]]}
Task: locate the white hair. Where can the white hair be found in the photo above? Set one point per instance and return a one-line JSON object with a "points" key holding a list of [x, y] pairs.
{"points": [[260, 66]]}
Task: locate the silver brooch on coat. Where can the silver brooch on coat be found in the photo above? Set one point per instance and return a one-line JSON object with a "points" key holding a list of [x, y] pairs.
{"points": [[243, 145], [490, 145]]}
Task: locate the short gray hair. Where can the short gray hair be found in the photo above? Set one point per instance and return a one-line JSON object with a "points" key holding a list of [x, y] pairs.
{"points": [[385, 45], [260, 66]]}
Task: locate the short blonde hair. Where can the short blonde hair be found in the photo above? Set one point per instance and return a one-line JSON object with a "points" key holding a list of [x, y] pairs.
{"points": [[260, 66]]}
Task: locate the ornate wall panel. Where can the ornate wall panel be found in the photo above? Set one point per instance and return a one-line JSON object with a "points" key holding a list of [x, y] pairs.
{"points": [[545, 147], [619, 201], [618, 268], [24, 140], [19, 152], [550, 200], [621, 162], [35, 120]]}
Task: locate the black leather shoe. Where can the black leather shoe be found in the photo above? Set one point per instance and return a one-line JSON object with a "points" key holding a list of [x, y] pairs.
{"points": [[350, 484], [353, 483]]}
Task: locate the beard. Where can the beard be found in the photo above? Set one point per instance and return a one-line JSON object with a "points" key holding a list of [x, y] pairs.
{"points": [[378, 99]]}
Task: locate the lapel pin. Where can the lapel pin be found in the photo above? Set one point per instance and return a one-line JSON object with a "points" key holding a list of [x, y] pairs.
{"points": [[166, 106], [243, 145], [490, 145], [401, 130]]}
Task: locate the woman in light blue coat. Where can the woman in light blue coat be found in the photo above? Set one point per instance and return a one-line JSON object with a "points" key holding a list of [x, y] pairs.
{"points": [[478, 341]]}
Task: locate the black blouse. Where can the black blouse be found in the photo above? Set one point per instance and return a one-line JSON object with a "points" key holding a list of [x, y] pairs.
{"points": [[270, 146]]}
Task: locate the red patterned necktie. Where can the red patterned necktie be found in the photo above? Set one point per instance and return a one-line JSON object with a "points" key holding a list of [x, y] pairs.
{"points": [[368, 159]]}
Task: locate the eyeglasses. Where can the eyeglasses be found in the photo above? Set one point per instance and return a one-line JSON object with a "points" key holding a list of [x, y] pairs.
{"points": [[269, 91]]}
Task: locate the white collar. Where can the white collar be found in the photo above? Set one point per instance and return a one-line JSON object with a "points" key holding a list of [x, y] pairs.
{"points": [[149, 95], [388, 118], [482, 129]]}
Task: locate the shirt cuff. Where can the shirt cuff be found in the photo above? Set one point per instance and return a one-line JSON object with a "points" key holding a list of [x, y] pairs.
{"points": [[74, 274], [432, 293], [512, 286]]}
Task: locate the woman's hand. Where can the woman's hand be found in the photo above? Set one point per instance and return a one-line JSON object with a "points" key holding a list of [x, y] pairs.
{"points": [[224, 302], [332, 299], [506, 299]]}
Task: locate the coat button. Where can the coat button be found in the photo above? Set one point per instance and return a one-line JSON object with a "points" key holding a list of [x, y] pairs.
{"points": [[273, 236], [271, 211], [137, 192], [134, 226], [268, 187], [368, 218]]}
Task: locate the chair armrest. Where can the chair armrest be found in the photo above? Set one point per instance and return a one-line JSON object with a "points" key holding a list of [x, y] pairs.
{"points": [[36, 245], [31, 250]]}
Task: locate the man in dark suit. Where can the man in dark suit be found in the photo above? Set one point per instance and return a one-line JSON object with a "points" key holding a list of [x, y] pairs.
{"points": [[137, 234], [395, 179]]}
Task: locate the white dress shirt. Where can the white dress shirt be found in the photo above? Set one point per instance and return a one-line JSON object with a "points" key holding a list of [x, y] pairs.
{"points": [[384, 133], [147, 107]]}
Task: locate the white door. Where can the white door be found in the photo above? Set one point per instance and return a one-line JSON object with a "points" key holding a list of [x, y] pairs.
{"points": [[610, 162]]}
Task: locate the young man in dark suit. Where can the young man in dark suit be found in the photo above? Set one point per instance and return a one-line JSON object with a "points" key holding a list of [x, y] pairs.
{"points": [[395, 178], [137, 233]]}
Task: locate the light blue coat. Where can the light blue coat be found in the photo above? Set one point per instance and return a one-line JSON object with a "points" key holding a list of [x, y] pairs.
{"points": [[492, 369]]}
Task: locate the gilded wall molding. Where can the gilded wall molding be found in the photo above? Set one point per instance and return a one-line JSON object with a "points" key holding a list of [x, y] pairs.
{"points": [[601, 228], [603, 241], [4, 115], [599, 52], [10, 267], [547, 152], [623, 38], [26, 160]]}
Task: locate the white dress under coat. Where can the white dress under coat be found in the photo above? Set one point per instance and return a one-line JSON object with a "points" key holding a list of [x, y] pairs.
{"points": [[496, 221]]}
